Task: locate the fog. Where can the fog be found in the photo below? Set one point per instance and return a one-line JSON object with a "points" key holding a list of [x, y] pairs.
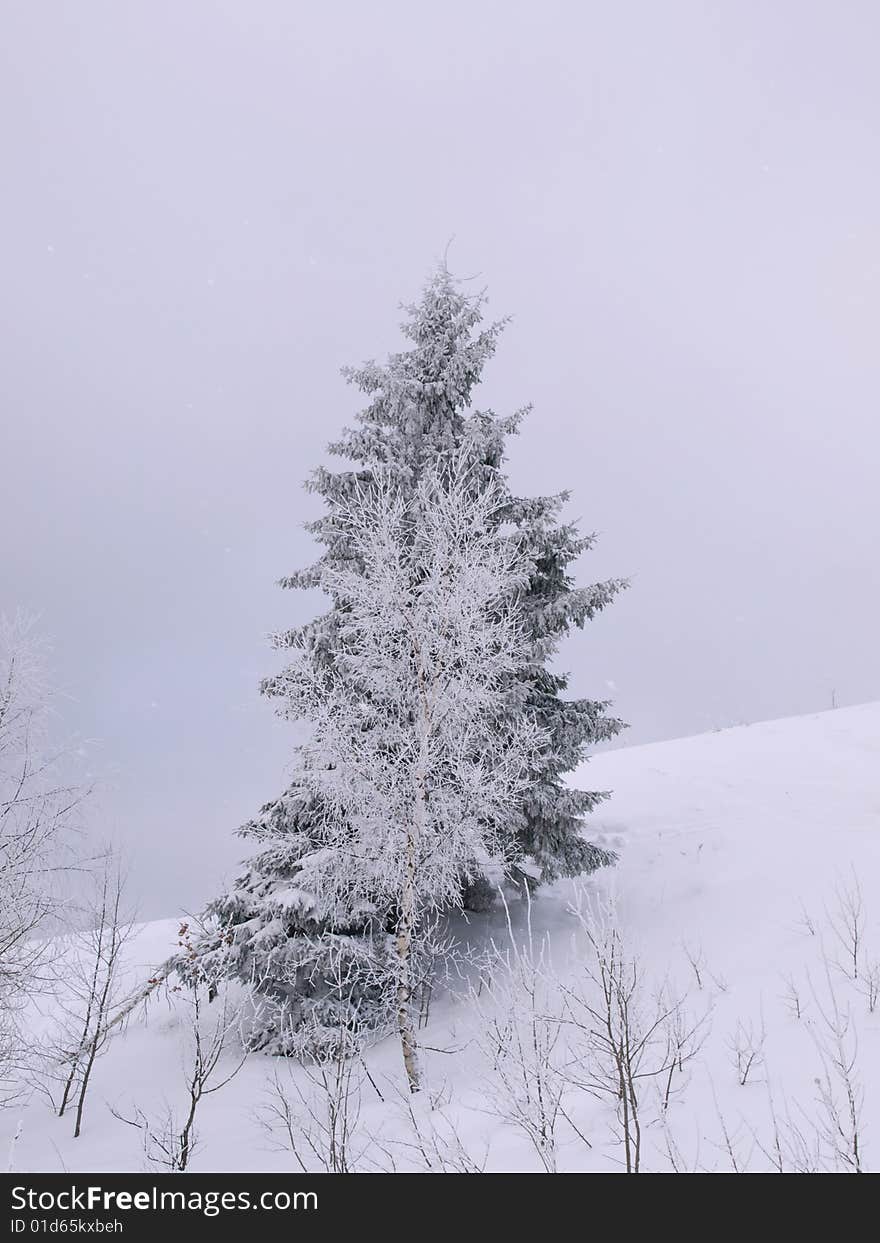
{"points": [[208, 208]]}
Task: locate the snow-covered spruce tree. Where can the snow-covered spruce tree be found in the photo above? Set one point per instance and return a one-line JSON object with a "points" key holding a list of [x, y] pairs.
{"points": [[419, 414]]}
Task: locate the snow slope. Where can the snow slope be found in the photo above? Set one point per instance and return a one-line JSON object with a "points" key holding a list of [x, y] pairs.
{"points": [[735, 847]]}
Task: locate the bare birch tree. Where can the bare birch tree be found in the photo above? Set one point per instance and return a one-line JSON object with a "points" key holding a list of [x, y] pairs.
{"points": [[92, 988]]}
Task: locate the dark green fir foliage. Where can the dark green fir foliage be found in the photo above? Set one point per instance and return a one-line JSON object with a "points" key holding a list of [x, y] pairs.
{"points": [[319, 968]]}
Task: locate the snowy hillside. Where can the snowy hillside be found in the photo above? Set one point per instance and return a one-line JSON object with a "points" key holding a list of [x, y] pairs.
{"points": [[743, 854]]}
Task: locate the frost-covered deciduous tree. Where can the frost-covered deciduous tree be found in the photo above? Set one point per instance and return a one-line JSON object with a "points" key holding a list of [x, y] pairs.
{"points": [[420, 416], [406, 755], [407, 752], [36, 810]]}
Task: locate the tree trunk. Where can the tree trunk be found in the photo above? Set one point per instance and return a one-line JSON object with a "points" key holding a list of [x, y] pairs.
{"points": [[407, 924], [405, 929], [84, 1087]]}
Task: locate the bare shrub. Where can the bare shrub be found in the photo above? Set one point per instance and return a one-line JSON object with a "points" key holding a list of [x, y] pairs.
{"points": [[870, 984], [171, 1137], [793, 1146], [792, 998], [521, 1012], [626, 1035], [432, 1142], [747, 1048], [313, 1111], [697, 960], [839, 1089], [92, 963], [846, 921], [732, 1140]]}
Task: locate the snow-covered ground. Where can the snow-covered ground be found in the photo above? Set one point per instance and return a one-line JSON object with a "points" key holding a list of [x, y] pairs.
{"points": [[737, 848]]}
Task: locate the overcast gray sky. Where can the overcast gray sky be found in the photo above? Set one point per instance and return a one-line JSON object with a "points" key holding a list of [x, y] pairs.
{"points": [[209, 207]]}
